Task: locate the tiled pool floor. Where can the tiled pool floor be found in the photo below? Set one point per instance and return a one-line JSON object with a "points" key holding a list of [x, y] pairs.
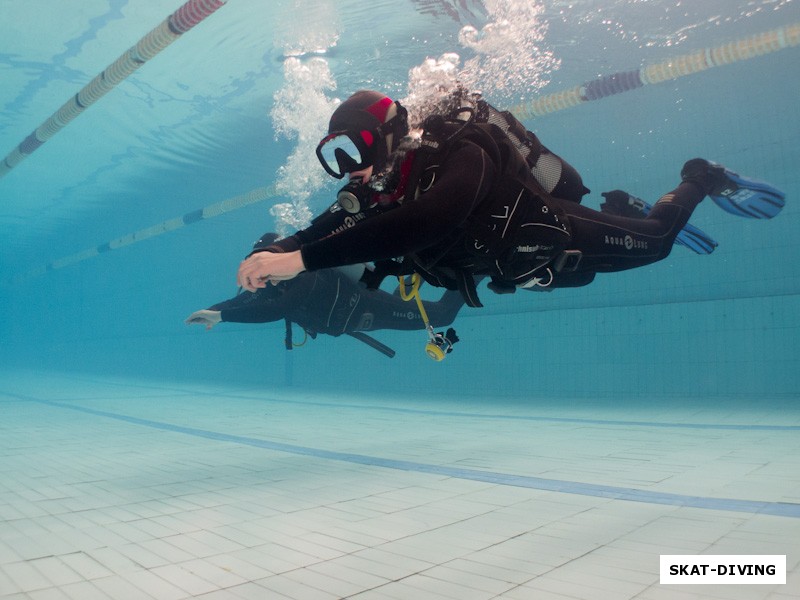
{"points": [[135, 490]]}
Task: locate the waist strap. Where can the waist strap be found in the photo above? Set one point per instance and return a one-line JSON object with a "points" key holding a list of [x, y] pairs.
{"points": [[468, 289]]}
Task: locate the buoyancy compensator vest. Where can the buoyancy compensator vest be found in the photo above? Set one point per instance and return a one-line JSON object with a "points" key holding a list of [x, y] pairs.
{"points": [[515, 231]]}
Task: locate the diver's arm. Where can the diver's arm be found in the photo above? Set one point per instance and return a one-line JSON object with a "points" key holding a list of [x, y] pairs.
{"points": [[282, 260], [206, 317], [213, 315], [464, 180], [242, 308], [331, 221], [266, 313]]}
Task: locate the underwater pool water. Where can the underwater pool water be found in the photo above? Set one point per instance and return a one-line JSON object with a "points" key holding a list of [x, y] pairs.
{"points": [[570, 439]]}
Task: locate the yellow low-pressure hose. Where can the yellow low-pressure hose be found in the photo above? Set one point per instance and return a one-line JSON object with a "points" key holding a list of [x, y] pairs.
{"points": [[416, 281], [432, 348]]}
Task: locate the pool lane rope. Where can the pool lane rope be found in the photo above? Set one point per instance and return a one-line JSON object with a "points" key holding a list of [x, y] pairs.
{"points": [[174, 26], [608, 85], [210, 211], [680, 66]]}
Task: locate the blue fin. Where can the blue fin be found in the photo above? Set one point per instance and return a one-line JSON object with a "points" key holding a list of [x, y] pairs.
{"points": [[747, 197], [695, 240]]}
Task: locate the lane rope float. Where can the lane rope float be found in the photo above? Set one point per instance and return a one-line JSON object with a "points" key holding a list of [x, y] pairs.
{"points": [[679, 66], [174, 26]]}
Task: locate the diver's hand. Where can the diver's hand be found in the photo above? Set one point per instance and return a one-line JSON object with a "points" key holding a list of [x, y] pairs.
{"points": [[209, 318], [257, 269]]}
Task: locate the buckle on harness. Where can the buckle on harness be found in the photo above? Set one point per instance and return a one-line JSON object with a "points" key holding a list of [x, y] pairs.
{"points": [[568, 261]]}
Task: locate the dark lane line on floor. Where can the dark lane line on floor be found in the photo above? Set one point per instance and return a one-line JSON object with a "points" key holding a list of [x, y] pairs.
{"points": [[781, 509]]}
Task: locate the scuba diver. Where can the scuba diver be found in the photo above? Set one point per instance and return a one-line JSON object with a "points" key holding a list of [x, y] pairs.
{"points": [[474, 194], [332, 302]]}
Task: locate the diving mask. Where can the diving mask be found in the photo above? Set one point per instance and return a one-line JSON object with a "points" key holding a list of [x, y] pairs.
{"points": [[347, 150], [343, 152]]}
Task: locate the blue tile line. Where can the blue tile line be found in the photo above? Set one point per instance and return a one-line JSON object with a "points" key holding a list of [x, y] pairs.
{"points": [[779, 509]]}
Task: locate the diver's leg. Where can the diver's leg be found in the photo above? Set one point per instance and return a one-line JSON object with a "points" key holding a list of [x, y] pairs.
{"points": [[614, 243], [672, 211], [381, 310], [624, 205]]}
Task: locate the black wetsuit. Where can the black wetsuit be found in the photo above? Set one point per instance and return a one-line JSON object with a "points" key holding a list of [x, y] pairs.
{"points": [[330, 301], [446, 210]]}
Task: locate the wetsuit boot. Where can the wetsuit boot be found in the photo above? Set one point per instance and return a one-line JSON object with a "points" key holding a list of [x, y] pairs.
{"points": [[708, 176]]}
